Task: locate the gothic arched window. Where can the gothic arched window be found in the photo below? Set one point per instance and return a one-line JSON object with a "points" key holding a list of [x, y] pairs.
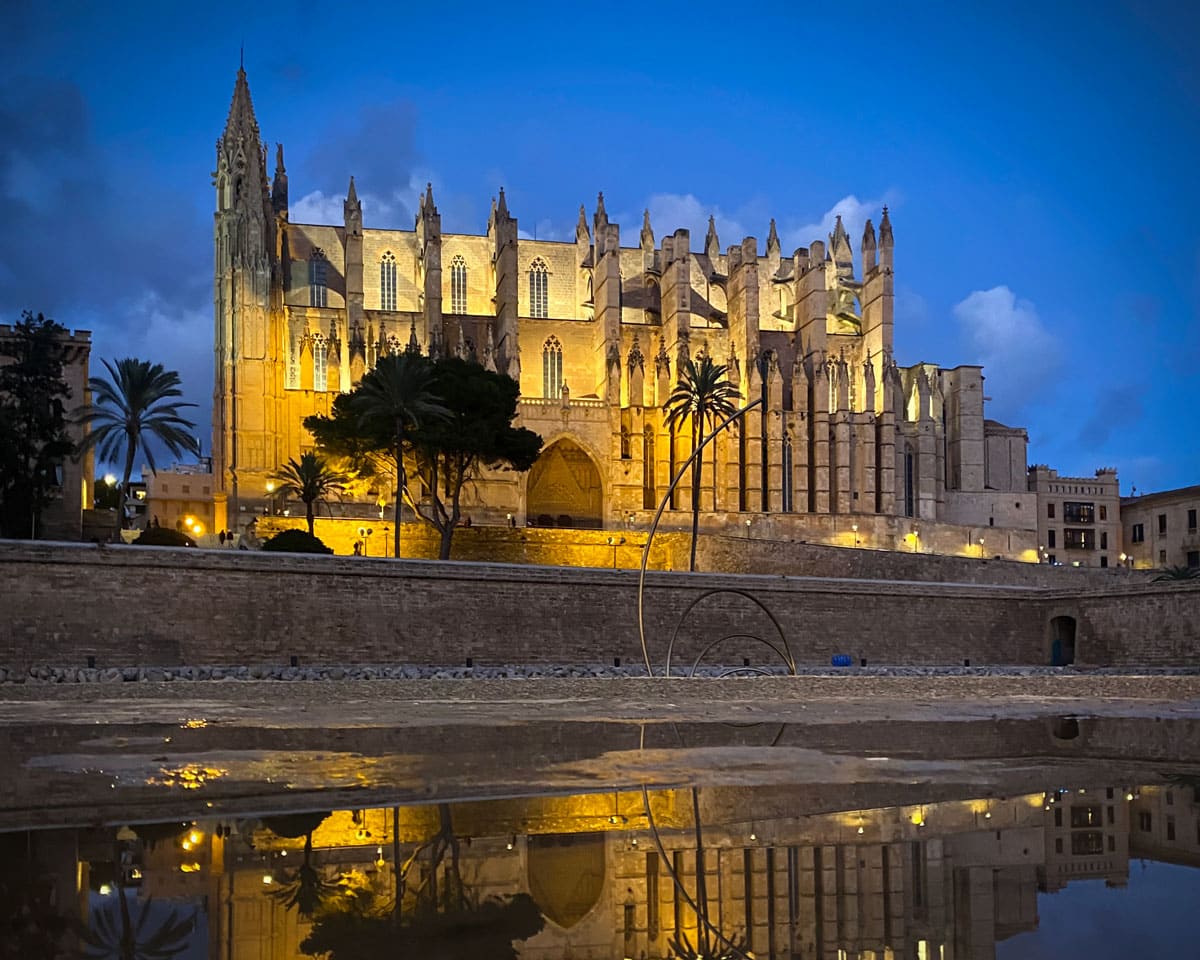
{"points": [[552, 378], [458, 284], [320, 356], [387, 281], [539, 303], [787, 473], [317, 270]]}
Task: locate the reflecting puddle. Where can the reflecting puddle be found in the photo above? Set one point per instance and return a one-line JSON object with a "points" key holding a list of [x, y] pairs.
{"points": [[1063, 837]]}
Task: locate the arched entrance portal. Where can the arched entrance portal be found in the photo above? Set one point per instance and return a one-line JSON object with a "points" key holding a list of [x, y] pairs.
{"points": [[564, 488], [1062, 641]]}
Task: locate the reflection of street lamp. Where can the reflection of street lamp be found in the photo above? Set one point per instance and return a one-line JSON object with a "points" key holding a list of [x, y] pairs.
{"points": [[615, 542], [854, 527], [110, 479], [363, 533], [270, 496]]}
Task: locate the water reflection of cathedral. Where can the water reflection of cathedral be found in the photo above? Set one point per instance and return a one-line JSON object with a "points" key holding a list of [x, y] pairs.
{"points": [[945, 880]]}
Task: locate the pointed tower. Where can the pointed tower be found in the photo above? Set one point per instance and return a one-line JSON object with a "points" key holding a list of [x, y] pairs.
{"points": [[249, 336], [352, 219], [502, 232], [279, 189], [878, 298], [712, 246], [429, 263]]}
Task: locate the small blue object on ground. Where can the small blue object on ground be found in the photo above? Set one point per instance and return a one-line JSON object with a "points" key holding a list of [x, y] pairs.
{"points": [[842, 660]]}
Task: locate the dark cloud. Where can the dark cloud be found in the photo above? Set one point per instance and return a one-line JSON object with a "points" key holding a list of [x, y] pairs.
{"points": [[95, 243], [377, 144], [1113, 412]]}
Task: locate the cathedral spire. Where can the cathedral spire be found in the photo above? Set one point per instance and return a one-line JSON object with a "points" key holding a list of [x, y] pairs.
{"points": [[352, 193], [772, 239], [241, 122], [647, 231], [502, 206], [279, 189], [885, 229], [712, 245], [581, 227], [430, 208]]}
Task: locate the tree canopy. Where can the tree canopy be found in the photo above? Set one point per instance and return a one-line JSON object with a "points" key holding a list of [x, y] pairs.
{"points": [[466, 425], [33, 423]]}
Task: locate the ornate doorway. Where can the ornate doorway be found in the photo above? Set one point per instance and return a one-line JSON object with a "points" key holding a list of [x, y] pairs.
{"points": [[565, 489]]}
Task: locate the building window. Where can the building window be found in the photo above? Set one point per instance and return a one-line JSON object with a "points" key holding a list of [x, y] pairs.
{"points": [[1085, 816], [1193, 558], [909, 481], [1079, 512], [787, 473], [1162, 557], [1104, 561], [1050, 539], [1112, 843], [1087, 843], [318, 268], [1079, 539], [1144, 821], [320, 354], [1162, 524], [1103, 512], [1049, 511], [1104, 540], [387, 282], [539, 304], [1058, 845], [1051, 559], [1191, 521], [1138, 534], [552, 379], [1170, 828], [458, 285]]}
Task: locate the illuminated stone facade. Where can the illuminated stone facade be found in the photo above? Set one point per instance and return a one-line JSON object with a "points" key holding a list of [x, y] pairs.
{"points": [[595, 332], [1079, 518], [1161, 530]]}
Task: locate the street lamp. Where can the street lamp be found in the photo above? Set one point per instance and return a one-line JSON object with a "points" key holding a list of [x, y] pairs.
{"points": [[747, 528], [270, 496], [615, 542], [364, 533], [854, 527]]}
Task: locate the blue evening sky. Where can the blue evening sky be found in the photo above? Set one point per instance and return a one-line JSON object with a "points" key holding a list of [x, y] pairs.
{"points": [[1038, 159]]}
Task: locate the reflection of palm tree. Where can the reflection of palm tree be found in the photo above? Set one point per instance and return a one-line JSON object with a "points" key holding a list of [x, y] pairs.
{"points": [[306, 889], [703, 395], [309, 480], [136, 406], [115, 935]]}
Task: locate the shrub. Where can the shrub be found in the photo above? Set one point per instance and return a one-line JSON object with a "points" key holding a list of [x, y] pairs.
{"points": [[163, 537], [295, 541]]}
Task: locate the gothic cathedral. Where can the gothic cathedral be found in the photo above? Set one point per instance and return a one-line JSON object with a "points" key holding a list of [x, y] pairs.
{"points": [[595, 333]]}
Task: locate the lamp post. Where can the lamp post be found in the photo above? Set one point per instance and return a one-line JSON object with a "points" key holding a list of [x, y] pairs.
{"points": [[364, 533], [854, 527], [615, 542], [748, 522], [270, 496]]}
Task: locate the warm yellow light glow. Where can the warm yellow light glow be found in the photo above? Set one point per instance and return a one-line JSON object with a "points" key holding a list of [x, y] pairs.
{"points": [[187, 844], [189, 867], [105, 889], [110, 479], [267, 879], [270, 486], [195, 836], [198, 529]]}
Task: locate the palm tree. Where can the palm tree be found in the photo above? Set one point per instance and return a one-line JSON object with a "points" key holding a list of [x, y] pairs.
{"points": [[1178, 573], [395, 398], [137, 406], [310, 480], [703, 395]]}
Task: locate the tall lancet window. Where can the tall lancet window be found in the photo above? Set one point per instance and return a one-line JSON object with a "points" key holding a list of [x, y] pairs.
{"points": [[539, 302], [552, 378], [458, 284], [318, 268], [787, 473], [320, 352], [387, 281]]}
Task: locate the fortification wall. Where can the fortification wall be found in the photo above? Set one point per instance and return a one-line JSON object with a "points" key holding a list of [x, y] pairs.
{"points": [[155, 606]]}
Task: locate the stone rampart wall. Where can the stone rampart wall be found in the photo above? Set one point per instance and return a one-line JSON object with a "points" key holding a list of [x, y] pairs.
{"points": [[155, 606]]}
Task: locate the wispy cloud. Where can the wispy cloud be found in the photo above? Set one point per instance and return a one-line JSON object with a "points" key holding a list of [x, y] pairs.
{"points": [[1018, 352]]}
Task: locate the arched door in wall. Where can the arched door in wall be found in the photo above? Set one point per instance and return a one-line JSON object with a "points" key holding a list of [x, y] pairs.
{"points": [[565, 489], [1062, 641]]}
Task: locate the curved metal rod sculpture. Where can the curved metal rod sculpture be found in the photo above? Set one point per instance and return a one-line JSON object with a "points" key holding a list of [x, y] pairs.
{"points": [[662, 506], [785, 654]]}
